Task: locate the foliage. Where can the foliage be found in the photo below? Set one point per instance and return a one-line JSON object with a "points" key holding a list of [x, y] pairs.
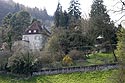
{"points": [[1, 36], [63, 41], [102, 25], [121, 54], [61, 18], [4, 60], [57, 15], [6, 30], [68, 20], [77, 55], [74, 9], [67, 60], [14, 26], [53, 45], [44, 58], [100, 20], [12, 7], [18, 23], [22, 63]]}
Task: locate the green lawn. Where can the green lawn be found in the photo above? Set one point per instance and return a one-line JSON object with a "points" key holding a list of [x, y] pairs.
{"points": [[95, 59], [89, 77]]}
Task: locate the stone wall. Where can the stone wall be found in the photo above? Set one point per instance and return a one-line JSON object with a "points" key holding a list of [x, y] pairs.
{"points": [[76, 69]]}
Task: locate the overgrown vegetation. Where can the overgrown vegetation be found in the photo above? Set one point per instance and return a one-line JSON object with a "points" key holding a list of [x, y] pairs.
{"points": [[121, 56], [72, 42]]}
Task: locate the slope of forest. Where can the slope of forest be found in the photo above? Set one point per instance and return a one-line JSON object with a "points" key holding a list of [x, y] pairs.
{"points": [[7, 6]]}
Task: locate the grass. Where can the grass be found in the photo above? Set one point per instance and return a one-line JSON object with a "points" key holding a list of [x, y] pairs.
{"points": [[86, 77], [96, 59], [101, 58]]}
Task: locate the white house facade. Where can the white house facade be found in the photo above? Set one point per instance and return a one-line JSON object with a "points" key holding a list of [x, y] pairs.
{"points": [[35, 40], [34, 35]]}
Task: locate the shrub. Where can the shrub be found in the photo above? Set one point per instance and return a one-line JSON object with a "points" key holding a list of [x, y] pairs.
{"points": [[45, 58], [56, 65], [76, 55], [67, 60], [22, 63], [4, 59]]}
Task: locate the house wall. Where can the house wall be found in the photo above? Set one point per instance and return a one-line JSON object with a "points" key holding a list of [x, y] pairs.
{"points": [[35, 40]]}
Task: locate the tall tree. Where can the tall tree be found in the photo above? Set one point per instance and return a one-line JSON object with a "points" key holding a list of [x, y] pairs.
{"points": [[13, 26], [6, 20], [19, 22], [101, 23], [57, 15], [99, 16], [64, 19], [5, 27], [74, 13]]}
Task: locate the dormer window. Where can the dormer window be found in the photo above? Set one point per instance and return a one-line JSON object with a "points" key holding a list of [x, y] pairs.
{"points": [[34, 31], [29, 31]]}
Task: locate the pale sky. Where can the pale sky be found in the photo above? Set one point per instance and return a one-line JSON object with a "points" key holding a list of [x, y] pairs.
{"points": [[85, 6]]}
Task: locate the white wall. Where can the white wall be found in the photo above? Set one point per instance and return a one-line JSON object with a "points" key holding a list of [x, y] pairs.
{"points": [[35, 40]]}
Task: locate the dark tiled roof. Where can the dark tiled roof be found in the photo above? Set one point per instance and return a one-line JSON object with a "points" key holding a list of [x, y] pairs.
{"points": [[36, 28]]}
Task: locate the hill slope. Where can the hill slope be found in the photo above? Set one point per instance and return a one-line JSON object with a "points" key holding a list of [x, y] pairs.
{"points": [[7, 6]]}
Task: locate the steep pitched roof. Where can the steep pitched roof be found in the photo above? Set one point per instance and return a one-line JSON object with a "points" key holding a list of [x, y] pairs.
{"points": [[36, 28]]}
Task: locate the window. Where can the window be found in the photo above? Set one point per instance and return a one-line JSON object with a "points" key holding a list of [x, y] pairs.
{"points": [[29, 31], [34, 31]]}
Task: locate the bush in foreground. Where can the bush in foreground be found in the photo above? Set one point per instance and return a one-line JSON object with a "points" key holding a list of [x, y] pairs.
{"points": [[22, 63]]}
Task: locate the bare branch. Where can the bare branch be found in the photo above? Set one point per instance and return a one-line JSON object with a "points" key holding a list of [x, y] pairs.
{"points": [[120, 18], [116, 3], [122, 2]]}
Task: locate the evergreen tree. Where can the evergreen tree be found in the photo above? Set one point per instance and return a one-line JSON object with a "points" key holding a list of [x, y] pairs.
{"points": [[101, 24], [17, 7], [6, 30], [57, 15], [19, 22], [6, 27], [6, 20], [64, 20], [99, 17], [74, 9], [13, 26]]}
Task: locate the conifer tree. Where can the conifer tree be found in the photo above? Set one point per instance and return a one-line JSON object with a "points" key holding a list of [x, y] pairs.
{"points": [[57, 15], [102, 25], [74, 14], [99, 17], [74, 9]]}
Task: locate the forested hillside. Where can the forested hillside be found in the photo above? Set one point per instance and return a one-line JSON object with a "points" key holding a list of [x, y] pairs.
{"points": [[7, 6]]}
